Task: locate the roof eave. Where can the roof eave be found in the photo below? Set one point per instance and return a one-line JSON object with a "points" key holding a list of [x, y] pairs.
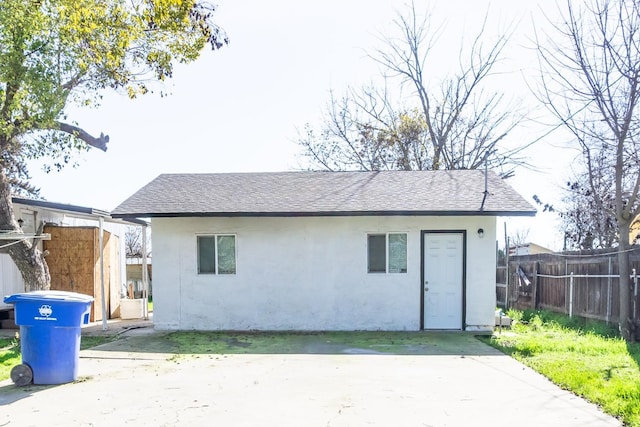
{"points": [[78, 211], [60, 206], [321, 214]]}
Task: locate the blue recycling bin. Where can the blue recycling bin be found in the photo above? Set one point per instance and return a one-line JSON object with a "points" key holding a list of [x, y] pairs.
{"points": [[50, 331]]}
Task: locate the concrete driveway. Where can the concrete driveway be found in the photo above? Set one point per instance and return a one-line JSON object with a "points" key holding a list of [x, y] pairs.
{"points": [[455, 380]]}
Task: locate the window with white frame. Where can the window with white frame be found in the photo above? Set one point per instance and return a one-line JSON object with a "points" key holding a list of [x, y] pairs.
{"points": [[387, 253], [217, 254]]}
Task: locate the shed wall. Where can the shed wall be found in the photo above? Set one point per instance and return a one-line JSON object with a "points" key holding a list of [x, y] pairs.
{"points": [[309, 273]]}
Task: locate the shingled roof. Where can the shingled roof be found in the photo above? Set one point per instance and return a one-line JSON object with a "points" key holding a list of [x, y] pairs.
{"points": [[457, 192]]}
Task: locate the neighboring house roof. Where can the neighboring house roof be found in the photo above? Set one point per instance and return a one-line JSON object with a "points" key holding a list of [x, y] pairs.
{"points": [[60, 206], [529, 249], [634, 231], [72, 209], [457, 192]]}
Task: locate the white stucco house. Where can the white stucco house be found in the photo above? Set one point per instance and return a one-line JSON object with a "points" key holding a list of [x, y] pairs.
{"points": [[392, 250]]}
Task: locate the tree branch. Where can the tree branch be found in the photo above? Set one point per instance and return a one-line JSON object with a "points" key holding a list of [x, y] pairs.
{"points": [[99, 143], [73, 82]]}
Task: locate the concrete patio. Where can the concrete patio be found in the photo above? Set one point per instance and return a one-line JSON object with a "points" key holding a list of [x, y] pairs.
{"points": [[456, 380]]}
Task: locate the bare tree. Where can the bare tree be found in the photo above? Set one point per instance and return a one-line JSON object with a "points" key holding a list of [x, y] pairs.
{"points": [[589, 220], [520, 237], [452, 124], [590, 75], [362, 131], [133, 241]]}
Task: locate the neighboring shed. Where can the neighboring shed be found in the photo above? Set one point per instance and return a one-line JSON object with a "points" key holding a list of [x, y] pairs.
{"points": [[393, 250], [74, 252], [136, 278], [528, 249]]}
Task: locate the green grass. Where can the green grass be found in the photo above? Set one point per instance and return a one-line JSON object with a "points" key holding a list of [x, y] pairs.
{"points": [[211, 342], [9, 356], [585, 357], [203, 342], [10, 352]]}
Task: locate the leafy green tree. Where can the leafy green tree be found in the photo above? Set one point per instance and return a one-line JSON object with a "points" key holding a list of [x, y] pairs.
{"points": [[57, 53]]}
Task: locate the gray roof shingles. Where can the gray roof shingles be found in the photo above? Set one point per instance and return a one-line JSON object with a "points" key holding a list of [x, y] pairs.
{"points": [[457, 192]]}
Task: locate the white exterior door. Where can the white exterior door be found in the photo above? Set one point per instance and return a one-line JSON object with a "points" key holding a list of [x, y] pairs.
{"points": [[443, 280]]}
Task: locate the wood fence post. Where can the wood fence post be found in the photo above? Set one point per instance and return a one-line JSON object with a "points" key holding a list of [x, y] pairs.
{"points": [[566, 271], [511, 286], [571, 295], [506, 255], [534, 290], [609, 273], [635, 294]]}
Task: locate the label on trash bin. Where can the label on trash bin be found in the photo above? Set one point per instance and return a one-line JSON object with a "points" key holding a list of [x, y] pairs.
{"points": [[45, 311]]}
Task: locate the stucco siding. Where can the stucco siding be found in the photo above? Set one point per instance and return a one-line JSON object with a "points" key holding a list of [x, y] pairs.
{"points": [[481, 275], [308, 273]]}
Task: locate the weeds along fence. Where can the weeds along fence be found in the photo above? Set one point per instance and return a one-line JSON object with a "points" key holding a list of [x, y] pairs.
{"points": [[576, 284]]}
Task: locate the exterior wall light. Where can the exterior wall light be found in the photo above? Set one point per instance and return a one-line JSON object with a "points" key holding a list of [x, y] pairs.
{"points": [[480, 233]]}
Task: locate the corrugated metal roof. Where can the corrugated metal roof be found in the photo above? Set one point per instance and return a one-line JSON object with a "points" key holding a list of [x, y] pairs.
{"points": [[457, 192]]}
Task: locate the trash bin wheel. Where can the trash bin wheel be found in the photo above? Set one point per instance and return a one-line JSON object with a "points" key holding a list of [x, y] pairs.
{"points": [[21, 375]]}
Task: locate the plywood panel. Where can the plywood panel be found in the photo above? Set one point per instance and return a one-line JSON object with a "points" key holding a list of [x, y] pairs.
{"points": [[115, 277], [97, 275], [73, 261]]}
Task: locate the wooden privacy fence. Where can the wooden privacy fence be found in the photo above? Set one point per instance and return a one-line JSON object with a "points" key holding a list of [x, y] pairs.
{"points": [[576, 285]]}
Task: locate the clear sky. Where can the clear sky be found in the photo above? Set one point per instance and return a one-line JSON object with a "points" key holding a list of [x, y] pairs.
{"points": [[239, 109]]}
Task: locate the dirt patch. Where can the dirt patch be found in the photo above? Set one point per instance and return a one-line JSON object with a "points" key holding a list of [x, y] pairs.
{"points": [[235, 342], [409, 343]]}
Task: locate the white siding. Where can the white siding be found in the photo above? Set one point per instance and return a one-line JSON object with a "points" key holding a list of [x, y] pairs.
{"points": [[308, 274], [10, 279]]}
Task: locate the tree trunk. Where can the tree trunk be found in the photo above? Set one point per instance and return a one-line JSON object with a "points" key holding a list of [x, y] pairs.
{"points": [[25, 254], [625, 283]]}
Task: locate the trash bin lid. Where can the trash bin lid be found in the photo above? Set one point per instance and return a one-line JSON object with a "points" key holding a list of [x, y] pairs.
{"points": [[57, 296]]}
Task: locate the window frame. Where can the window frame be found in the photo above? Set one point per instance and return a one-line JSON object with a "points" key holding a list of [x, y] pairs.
{"points": [[387, 252], [216, 260]]}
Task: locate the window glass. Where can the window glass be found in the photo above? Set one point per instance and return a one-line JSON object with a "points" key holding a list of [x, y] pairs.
{"points": [[397, 253], [377, 257], [206, 255], [226, 254]]}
